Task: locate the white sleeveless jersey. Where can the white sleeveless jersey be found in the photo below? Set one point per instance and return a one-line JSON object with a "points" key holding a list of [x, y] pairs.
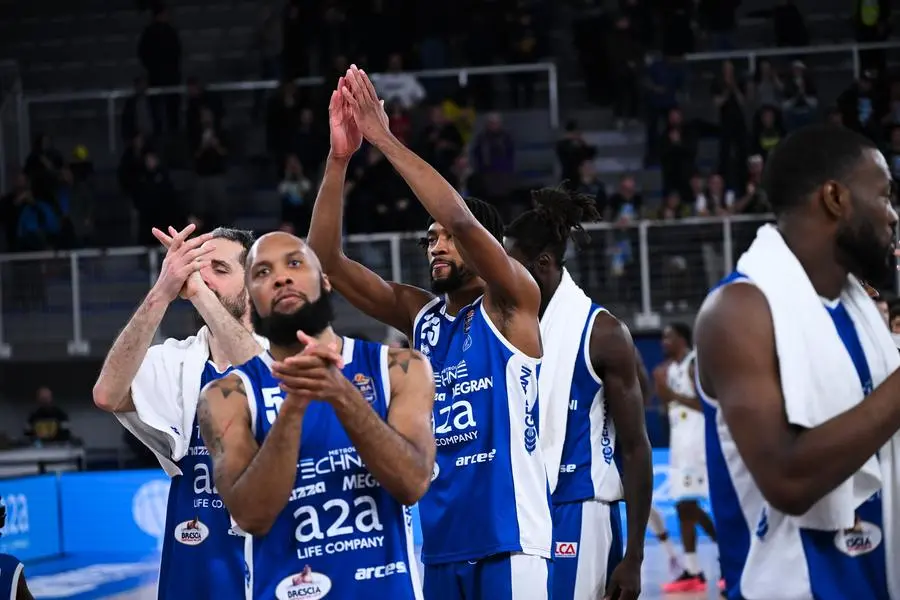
{"points": [[686, 425]]}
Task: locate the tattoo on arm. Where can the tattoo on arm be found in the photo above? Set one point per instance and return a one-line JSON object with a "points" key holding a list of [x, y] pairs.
{"points": [[212, 434], [402, 358]]}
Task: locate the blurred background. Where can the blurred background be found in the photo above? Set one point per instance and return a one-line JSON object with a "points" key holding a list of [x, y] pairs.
{"points": [[116, 116]]}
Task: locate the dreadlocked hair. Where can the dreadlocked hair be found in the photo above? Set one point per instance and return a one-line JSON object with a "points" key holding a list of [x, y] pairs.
{"points": [[555, 219], [484, 213]]}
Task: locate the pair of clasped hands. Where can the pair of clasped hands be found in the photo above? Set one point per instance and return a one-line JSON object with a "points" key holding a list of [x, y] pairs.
{"points": [[313, 374]]}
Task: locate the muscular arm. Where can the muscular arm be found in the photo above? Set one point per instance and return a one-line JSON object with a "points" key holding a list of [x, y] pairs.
{"points": [[643, 376], [509, 284], [613, 357], [393, 304], [238, 343], [793, 467], [399, 452], [254, 481], [112, 392]]}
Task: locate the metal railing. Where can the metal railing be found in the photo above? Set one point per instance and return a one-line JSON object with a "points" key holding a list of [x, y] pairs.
{"points": [[111, 96], [645, 272]]}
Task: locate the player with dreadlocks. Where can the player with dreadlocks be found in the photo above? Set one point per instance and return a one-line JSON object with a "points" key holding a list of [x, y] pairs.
{"points": [[12, 577], [486, 524], [592, 428]]}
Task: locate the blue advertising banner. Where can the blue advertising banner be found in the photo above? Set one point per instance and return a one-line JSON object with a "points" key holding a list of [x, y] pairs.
{"points": [[32, 517], [128, 505]]}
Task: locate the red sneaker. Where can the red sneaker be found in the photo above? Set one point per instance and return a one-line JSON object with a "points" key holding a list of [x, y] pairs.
{"points": [[722, 585], [686, 583]]}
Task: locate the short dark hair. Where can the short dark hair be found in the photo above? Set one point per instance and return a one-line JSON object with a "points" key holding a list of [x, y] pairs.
{"points": [[556, 217], [244, 237], [486, 214], [683, 330], [808, 158]]}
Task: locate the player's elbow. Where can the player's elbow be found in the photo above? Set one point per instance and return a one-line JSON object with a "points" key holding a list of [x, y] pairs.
{"points": [[413, 491], [788, 496], [252, 522], [104, 400]]}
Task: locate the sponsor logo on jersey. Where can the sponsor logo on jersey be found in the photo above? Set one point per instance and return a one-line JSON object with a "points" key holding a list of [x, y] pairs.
{"points": [[566, 550], [306, 585], [365, 387], [863, 538], [436, 471], [191, 533], [381, 571]]}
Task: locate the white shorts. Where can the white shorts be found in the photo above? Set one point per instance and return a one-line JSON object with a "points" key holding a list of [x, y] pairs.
{"points": [[589, 546], [688, 481]]}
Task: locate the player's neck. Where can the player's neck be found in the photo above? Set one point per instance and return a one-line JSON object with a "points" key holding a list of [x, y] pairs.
{"points": [[328, 336], [548, 290], [216, 353], [680, 355], [817, 256], [458, 299]]}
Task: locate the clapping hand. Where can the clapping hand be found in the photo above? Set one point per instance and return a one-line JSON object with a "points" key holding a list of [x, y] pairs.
{"points": [[345, 135], [366, 108], [184, 259], [314, 374]]}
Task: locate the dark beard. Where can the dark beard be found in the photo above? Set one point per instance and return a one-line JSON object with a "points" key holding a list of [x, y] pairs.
{"points": [[455, 279], [281, 328], [237, 307], [866, 258]]}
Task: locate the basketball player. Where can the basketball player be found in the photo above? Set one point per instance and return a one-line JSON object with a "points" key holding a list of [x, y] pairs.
{"points": [[12, 576], [687, 451], [318, 446], [142, 386], [830, 189], [486, 522], [604, 428]]}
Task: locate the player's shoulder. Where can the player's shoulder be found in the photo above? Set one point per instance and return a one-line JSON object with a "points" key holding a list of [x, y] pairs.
{"points": [[8, 561], [408, 362], [609, 334], [736, 303]]}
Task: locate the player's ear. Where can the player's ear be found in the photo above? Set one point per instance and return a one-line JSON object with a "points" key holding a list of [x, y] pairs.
{"points": [[326, 283]]}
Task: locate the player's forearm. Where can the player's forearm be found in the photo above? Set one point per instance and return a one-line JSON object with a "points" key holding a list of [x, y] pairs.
{"points": [[637, 469], [257, 495], [435, 193], [236, 340], [688, 401], [401, 468], [326, 226], [112, 390]]}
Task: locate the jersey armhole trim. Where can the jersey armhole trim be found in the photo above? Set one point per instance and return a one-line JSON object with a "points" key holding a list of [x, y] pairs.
{"points": [[415, 324], [251, 397], [14, 589], [586, 343], [385, 377], [509, 345]]}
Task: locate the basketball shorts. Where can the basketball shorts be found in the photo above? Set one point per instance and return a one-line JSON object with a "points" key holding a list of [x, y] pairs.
{"points": [[588, 545], [687, 470], [501, 577]]}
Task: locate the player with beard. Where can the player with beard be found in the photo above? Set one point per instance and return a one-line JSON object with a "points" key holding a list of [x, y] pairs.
{"points": [[12, 575], [486, 522], [595, 439], [830, 189], [153, 392], [319, 445]]}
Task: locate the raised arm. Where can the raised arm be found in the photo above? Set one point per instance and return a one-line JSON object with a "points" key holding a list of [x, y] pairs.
{"points": [[391, 303], [793, 467], [613, 357], [399, 452], [255, 482], [509, 284], [112, 392]]}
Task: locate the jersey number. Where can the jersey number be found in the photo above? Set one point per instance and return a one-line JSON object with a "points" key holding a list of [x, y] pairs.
{"points": [[366, 519], [17, 514], [273, 399]]}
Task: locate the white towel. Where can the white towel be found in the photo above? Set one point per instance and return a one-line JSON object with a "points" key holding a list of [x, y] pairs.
{"points": [[561, 328], [818, 378], [165, 392]]}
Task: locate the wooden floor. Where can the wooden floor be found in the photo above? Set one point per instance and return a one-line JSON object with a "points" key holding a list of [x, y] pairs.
{"points": [[656, 572]]}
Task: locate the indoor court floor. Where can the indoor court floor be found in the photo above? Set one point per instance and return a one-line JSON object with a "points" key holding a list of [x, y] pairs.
{"points": [[117, 578]]}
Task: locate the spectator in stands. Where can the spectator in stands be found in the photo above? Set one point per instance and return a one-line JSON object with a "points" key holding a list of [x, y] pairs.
{"points": [[717, 200], [730, 99], [199, 98], [524, 49], [754, 201], [571, 151], [462, 178], [440, 142], [296, 192], [626, 57], [767, 89], [10, 209], [719, 20], [156, 201], [74, 207], [891, 116], [311, 143], [139, 114], [459, 109], [379, 200], [859, 106], [43, 165], [872, 19], [672, 208], [697, 198], [48, 423], [159, 51], [38, 224], [664, 83], [673, 264], [493, 158], [282, 121], [589, 183], [623, 208], [767, 132], [678, 162], [131, 165], [397, 86], [211, 203], [787, 22], [894, 314], [893, 153], [800, 99]]}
